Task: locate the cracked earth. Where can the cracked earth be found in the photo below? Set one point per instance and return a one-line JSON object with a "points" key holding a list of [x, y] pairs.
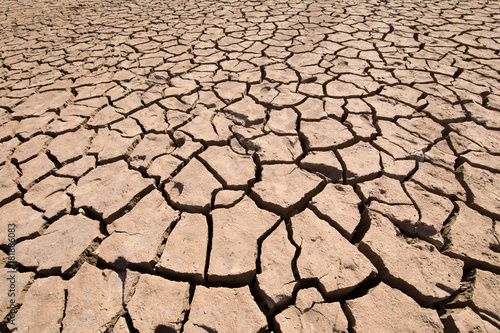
{"points": [[250, 166]]}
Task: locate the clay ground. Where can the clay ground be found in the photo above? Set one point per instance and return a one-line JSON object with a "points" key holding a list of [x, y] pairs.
{"points": [[249, 166]]}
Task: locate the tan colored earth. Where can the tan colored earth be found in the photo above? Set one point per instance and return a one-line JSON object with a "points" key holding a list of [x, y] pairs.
{"points": [[249, 166]]}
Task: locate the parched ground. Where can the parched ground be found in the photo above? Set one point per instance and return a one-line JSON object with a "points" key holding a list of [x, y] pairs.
{"points": [[249, 166]]}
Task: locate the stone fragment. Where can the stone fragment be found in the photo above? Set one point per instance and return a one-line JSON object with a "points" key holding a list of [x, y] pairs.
{"points": [[285, 187], [163, 167], [38, 104], [43, 306], [324, 162], [484, 187], [151, 146], [78, 168], [30, 148], [236, 231], [282, 122], [486, 295], [94, 300], [60, 247], [50, 196], [327, 256], [158, 304], [7, 148], [22, 280], [35, 169], [109, 188], [474, 243], [70, 146], [186, 249], [192, 188], [231, 310], [383, 189], [152, 119], [272, 148], [338, 204], [234, 171], [104, 117], [396, 312], [247, 111], [362, 162], [325, 134], [311, 314], [9, 176], [410, 263], [276, 278], [438, 180], [135, 237]]}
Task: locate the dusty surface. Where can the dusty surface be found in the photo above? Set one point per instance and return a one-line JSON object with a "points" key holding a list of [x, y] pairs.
{"points": [[249, 166]]}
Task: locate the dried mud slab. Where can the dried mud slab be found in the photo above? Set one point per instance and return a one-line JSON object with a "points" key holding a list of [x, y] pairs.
{"points": [[234, 241], [410, 263], [276, 279], [475, 243], [192, 188], [60, 247], [109, 188], [170, 299], [338, 204], [284, 188], [311, 314], [185, 252], [486, 295], [466, 320], [135, 238], [326, 256], [225, 166], [224, 315], [94, 299], [44, 306], [395, 312]]}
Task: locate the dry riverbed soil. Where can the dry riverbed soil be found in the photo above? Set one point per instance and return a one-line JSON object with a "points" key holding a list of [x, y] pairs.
{"points": [[249, 166]]}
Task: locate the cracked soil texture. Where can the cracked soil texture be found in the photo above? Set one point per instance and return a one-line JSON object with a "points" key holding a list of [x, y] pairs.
{"points": [[249, 166]]}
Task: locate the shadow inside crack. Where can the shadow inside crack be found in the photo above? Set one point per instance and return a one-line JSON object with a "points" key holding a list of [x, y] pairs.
{"points": [[164, 329]]}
